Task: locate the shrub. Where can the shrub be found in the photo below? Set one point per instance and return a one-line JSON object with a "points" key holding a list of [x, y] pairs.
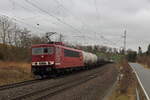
{"points": [[131, 56]]}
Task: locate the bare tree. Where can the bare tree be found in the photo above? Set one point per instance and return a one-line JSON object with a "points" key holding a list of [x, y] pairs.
{"points": [[16, 36], [25, 38], [5, 26]]}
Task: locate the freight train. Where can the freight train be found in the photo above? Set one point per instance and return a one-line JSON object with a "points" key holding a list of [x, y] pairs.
{"points": [[55, 57]]}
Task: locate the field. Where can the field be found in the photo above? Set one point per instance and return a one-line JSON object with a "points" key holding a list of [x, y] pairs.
{"points": [[12, 72]]}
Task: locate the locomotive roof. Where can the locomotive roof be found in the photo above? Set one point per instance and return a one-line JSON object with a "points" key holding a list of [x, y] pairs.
{"points": [[40, 45], [55, 45]]}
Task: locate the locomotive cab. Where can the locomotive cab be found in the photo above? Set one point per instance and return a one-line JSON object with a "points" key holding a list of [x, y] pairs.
{"points": [[42, 59]]}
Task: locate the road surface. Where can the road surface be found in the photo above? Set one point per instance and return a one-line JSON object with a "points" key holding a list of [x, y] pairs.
{"points": [[144, 76]]}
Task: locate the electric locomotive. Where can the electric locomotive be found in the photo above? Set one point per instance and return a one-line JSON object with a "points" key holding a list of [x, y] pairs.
{"points": [[51, 58]]}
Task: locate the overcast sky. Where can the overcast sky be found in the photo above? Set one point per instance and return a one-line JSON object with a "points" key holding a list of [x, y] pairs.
{"points": [[85, 21]]}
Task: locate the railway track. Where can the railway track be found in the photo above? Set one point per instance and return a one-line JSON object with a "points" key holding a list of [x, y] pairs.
{"points": [[55, 87], [14, 85], [53, 90], [28, 82]]}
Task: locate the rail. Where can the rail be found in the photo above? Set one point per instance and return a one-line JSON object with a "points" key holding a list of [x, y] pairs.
{"points": [[19, 84]]}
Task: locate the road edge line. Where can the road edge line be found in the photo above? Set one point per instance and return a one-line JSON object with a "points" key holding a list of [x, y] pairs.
{"points": [[148, 98]]}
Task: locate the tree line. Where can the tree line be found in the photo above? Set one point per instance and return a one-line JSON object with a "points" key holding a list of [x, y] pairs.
{"points": [[15, 42], [139, 55]]}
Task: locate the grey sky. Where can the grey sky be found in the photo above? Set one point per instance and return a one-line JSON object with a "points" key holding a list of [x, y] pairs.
{"points": [[101, 21]]}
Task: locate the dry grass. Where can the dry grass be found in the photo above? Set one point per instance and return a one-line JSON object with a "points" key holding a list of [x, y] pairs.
{"points": [[125, 89], [12, 72], [22, 66], [129, 95]]}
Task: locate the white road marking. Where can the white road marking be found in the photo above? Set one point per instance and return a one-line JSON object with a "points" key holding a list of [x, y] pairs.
{"points": [[147, 97]]}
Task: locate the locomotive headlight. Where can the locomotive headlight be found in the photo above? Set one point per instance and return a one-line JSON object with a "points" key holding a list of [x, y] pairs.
{"points": [[37, 63], [51, 62], [46, 63], [33, 63]]}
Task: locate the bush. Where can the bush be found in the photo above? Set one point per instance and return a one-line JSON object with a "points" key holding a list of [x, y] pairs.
{"points": [[131, 56], [12, 53]]}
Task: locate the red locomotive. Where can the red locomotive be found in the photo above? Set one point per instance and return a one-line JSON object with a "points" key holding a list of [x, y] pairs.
{"points": [[55, 57]]}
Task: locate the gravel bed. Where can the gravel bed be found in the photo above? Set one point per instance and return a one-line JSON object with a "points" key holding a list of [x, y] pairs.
{"points": [[107, 75], [94, 89]]}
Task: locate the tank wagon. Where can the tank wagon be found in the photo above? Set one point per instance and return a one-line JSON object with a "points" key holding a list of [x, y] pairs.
{"points": [[89, 58], [55, 57]]}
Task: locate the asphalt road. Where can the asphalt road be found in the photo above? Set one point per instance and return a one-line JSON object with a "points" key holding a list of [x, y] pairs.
{"points": [[144, 76]]}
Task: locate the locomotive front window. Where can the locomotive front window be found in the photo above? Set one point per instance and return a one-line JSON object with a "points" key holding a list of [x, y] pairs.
{"points": [[37, 51], [48, 50], [42, 50], [45, 50]]}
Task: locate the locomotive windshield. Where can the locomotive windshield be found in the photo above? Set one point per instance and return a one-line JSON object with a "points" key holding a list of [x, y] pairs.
{"points": [[42, 50]]}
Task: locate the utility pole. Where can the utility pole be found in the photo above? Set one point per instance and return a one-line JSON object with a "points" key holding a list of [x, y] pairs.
{"points": [[125, 39]]}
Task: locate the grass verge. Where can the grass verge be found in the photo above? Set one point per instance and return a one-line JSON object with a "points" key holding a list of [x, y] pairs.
{"points": [[125, 88], [12, 72]]}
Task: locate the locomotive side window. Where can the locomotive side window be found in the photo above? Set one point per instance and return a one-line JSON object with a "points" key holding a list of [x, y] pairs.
{"points": [[44, 50], [69, 53]]}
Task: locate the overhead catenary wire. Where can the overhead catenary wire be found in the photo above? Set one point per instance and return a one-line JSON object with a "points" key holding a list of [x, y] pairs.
{"points": [[98, 15], [46, 12], [86, 25], [25, 8], [28, 9], [68, 11], [53, 16], [18, 4], [20, 21]]}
